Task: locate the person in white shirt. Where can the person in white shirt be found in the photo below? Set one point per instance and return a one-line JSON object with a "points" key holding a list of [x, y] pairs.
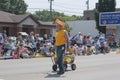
{"points": [[1, 38], [79, 39], [28, 44], [31, 37], [80, 50], [76, 49]]}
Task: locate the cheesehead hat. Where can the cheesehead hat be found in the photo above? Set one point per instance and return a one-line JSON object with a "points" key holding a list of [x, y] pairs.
{"points": [[59, 22]]}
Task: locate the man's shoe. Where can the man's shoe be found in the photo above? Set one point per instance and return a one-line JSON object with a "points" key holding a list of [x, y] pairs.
{"points": [[60, 73]]}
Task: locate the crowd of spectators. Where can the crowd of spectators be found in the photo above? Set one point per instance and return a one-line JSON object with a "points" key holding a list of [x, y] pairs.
{"points": [[28, 46], [25, 46], [86, 45]]}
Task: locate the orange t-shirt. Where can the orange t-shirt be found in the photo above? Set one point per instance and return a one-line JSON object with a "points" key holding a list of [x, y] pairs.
{"points": [[60, 38]]}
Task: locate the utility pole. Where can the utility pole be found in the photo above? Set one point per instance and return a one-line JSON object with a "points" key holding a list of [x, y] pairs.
{"points": [[87, 3], [51, 7]]}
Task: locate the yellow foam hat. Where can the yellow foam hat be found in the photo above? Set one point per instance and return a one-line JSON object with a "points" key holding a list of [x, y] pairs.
{"points": [[62, 24]]}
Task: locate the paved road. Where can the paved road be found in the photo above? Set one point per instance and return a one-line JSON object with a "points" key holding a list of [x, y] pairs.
{"points": [[95, 67]]}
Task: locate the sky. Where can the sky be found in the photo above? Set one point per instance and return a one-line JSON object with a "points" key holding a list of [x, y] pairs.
{"points": [[68, 7]]}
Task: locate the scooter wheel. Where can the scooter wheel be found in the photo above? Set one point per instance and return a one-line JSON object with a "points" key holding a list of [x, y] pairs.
{"points": [[73, 66], [54, 67], [65, 67]]}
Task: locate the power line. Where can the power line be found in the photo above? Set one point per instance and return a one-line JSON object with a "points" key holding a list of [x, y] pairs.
{"points": [[63, 3], [54, 9], [58, 10], [68, 11], [67, 7], [38, 8]]}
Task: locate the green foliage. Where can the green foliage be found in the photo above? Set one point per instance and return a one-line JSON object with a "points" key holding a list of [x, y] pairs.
{"points": [[45, 16], [67, 28], [100, 28], [13, 6], [104, 6]]}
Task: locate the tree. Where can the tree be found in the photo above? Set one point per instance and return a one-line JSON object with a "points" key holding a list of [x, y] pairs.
{"points": [[104, 6], [42, 15], [13, 6], [68, 28], [99, 28], [45, 16]]}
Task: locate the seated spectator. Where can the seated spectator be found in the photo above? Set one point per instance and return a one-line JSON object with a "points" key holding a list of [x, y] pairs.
{"points": [[37, 37], [76, 49], [23, 52], [102, 47], [52, 51], [71, 50], [34, 45], [16, 53], [7, 47], [48, 43], [79, 39], [38, 45], [4, 34], [80, 50], [107, 48], [97, 46], [89, 44], [29, 45], [93, 50], [46, 50], [1, 50], [1, 38], [53, 41], [32, 37]]}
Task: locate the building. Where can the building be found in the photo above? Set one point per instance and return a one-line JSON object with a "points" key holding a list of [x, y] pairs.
{"points": [[23, 23], [86, 27], [89, 15]]}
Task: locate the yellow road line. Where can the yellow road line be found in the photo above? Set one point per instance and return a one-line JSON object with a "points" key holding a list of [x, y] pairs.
{"points": [[39, 56]]}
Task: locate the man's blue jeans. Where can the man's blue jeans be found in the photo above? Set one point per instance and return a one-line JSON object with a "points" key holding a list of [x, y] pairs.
{"points": [[60, 51]]}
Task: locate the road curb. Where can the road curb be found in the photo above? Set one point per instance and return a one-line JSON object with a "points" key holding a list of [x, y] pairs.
{"points": [[1, 58], [117, 52], [40, 56]]}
